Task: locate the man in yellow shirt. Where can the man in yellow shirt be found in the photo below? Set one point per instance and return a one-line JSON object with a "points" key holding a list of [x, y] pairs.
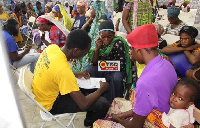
{"points": [[55, 85]]}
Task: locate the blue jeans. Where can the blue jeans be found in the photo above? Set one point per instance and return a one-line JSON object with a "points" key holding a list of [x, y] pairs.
{"points": [[28, 58], [114, 78]]}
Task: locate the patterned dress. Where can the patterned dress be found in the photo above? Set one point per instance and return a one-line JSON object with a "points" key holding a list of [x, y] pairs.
{"points": [[140, 12], [57, 37], [175, 31]]}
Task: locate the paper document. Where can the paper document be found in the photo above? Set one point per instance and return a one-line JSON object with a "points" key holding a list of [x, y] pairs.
{"points": [[90, 83]]}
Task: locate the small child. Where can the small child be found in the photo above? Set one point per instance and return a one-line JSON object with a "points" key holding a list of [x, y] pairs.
{"points": [[181, 102]]}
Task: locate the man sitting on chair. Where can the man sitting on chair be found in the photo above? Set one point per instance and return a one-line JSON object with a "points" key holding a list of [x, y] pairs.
{"points": [[55, 85], [10, 29]]}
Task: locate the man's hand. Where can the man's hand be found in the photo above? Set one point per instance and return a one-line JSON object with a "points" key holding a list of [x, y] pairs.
{"points": [[27, 48], [104, 86], [84, 74]]}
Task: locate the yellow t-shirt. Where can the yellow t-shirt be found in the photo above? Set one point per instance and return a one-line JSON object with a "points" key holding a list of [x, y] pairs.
{"points": [[52, 75], [4, 16], [140, 68]]}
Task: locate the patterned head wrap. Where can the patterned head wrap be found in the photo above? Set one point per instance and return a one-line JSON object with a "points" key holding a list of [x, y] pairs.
{"points": [[41, 20], [56, 8], [173, 12], [159, 28], [49, 4]]}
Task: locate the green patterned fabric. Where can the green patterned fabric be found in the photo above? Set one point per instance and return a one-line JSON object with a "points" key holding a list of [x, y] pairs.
{"points": [[144, 13], [105, 52]]}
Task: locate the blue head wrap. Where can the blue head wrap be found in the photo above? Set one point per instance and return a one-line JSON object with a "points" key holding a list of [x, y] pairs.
{"points": [[173, 12], [56, 8]]}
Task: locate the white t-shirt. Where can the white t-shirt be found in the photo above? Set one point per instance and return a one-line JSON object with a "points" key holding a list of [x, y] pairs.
{"points": [[179, 117]]}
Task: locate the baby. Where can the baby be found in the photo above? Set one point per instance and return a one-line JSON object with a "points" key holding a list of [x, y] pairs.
{"points": [[181, 102]]}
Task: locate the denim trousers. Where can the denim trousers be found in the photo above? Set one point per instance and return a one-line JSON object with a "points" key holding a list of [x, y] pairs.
{"points": [[28, 58]]}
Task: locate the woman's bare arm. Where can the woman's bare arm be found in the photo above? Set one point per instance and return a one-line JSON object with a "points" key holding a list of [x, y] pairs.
{"points": [[125, 15]]}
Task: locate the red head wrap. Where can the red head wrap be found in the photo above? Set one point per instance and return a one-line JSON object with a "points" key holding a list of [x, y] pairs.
{"points": [[41, 20], [143, 37]]}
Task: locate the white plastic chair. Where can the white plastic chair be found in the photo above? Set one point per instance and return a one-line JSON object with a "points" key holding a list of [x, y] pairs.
{"points": [[25, 84]]}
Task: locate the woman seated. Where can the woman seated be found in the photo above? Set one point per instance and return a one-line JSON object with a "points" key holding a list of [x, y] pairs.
{"points": [[11, 28], [109, 47], [56, 30], [186, 45], [175, 24]]}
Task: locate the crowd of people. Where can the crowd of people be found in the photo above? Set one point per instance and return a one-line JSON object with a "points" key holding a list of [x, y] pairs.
{"points": [[163, 79]]}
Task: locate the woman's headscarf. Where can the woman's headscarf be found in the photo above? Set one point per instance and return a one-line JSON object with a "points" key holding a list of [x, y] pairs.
{"points": [[41, 20], [46, 19], [173, 12], [192, 31], [66, 19]]}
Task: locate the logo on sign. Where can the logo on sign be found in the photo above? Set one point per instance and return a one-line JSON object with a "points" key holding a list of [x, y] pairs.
{"points": [[108, 65]]}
